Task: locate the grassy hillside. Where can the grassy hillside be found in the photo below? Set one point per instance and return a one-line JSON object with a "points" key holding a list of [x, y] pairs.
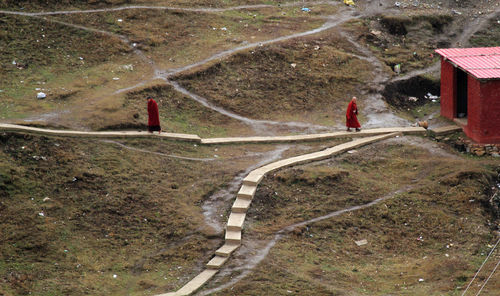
{"points": [[74, 213]]}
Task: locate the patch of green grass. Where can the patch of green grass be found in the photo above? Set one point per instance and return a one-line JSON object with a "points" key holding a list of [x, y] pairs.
{"points": [[421, 112], [51, 56]]}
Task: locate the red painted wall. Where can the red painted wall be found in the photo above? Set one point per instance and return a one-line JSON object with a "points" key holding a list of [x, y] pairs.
{"points": [[473, 108], [483, 121], [490, 112], [448, 90]]}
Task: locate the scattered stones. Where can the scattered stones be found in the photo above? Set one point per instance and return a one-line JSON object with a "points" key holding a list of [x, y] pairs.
{"points": [[36, 157], [41, 95], [361, 242], [466, 145], [128, 67]]}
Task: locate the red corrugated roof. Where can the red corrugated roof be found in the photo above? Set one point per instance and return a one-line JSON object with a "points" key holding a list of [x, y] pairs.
{"points": [[481, 62]]}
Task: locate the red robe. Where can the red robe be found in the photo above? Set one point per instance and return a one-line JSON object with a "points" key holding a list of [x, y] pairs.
{"points": [[351, 118], [153, 116]]}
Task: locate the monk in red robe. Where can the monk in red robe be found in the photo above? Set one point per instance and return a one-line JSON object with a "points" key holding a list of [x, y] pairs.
{"points": [[153, 116], [351, 116]]}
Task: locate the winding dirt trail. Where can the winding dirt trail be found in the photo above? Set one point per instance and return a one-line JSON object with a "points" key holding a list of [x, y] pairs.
{"points": [[260, 126], [378, 113]]}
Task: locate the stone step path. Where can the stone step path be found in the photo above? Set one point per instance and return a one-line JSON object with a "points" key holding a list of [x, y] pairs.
{"points": [[195, 138], [244, 198]]}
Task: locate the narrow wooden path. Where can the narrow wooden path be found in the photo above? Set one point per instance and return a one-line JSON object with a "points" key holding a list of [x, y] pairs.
{"points": [[195, 138]]}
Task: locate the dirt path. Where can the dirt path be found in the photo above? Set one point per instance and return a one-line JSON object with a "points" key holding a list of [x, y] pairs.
{"points": [[378, 113], [262, 127]]}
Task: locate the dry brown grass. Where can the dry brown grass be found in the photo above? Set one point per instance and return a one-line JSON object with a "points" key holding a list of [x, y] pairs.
{"points": [[308, 79], [110, 211]]}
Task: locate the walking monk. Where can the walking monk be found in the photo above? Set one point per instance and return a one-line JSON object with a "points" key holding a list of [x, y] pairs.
{"points": [[351, 116], [153, 116]]}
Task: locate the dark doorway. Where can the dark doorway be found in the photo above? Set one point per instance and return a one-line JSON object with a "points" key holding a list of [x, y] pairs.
{"points": [[461, 94]]}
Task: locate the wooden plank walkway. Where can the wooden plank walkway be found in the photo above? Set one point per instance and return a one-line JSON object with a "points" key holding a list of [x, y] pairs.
{"points": [[444, 130], [195, 138], [105, 134]]}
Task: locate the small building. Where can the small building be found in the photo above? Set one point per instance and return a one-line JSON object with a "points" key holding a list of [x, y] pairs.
{"points": [[470, 91]]}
